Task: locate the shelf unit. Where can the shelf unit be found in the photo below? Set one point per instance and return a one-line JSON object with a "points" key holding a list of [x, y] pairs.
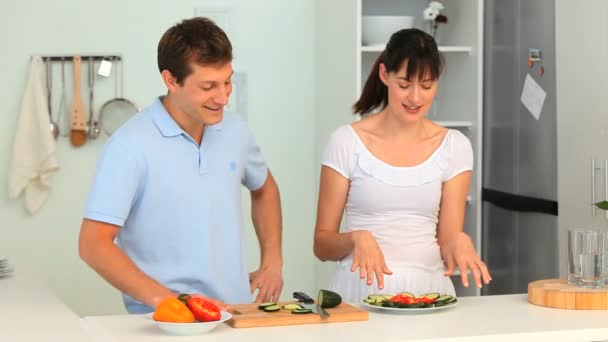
{"points": [[380, 48], [343, 64]]}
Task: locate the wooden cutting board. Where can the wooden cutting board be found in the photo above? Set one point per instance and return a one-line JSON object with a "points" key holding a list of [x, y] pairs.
{"points": [[249, 316], [556, 293]]}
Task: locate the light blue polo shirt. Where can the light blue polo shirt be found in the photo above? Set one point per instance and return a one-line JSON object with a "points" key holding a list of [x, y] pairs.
{"points": [[179, 205]]}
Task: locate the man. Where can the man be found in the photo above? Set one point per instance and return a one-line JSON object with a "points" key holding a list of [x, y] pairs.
{"points": [[164, 213]]}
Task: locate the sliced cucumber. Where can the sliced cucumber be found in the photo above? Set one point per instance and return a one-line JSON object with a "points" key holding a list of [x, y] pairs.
{"points": [[272, 308], [301, 311], [263, 305], [292, 306]]}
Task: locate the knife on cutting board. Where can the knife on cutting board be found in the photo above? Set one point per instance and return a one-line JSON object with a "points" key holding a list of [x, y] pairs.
{"points": [[309, 303]]}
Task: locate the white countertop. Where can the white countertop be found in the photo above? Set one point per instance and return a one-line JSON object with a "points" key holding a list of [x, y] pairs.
{"points": [[29, 312], [490, 318]]}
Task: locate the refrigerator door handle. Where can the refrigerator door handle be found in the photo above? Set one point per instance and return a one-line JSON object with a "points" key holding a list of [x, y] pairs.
{"points": [[593, 201], [605, 184]]}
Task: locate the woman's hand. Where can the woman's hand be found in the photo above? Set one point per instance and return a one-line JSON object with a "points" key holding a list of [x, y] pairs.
{"points": [[368, 257], [459, 251]]}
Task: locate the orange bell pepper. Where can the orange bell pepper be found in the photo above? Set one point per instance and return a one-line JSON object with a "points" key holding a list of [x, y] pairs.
{"points": [[173, 310]]}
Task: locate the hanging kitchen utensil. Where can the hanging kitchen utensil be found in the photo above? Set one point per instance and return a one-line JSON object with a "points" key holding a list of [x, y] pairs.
{"points": [[49, 90], [78, 135], [63, 113], [116, 111], [93, 125]]}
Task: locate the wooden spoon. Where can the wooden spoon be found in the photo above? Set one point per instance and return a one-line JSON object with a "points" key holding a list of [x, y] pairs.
{"points": [[78, 135]]}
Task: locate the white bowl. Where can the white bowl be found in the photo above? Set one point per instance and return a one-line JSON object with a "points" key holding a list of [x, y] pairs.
{"points": [[188, 329], [377, 29]]}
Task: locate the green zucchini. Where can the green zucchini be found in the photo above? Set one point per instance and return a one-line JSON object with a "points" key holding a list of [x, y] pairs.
{"points": [[264, 305], [272, 308], [292, 306], [408, 294], [433, 295], [301, 311], [328, 299]]}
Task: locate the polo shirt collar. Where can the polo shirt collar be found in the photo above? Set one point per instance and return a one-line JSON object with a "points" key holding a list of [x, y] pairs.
{"points": [[167, 125]]}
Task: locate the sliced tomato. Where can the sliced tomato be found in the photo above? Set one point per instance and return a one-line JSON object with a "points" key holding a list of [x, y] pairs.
{"points": [[401, 299], [424, 300]]}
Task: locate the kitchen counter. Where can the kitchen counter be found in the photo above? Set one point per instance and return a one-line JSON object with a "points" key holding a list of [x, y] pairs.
{"points": [[490, 318], [29, 312]]}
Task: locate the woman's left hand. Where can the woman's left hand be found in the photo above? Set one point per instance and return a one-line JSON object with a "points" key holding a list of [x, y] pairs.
{"points": [[459, 251]]}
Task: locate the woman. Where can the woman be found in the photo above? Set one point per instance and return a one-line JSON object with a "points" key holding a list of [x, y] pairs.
{"points": [[403, 181]]}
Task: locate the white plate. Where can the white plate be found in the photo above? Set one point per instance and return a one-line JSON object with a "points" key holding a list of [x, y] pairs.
{"points": [[185, 329], [410, 310]]}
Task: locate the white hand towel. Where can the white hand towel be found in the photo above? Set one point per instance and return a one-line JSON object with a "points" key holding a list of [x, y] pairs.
{"points": [[34, 151]]}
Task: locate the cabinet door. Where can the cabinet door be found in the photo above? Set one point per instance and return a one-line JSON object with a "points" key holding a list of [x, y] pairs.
{"points": [[582, 120]]}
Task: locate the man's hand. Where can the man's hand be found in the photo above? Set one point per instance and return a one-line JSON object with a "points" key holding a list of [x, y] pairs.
{"points": [[269, 281]]}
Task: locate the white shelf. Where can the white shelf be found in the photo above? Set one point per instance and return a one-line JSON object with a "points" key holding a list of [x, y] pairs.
{"points": [[455, 124], [380, 48]]}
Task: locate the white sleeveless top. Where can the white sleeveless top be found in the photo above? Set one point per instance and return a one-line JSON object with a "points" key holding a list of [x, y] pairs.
{"points": [[400, 207]]}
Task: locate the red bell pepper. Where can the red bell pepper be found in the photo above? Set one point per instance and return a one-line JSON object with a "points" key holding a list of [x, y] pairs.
{"points": [[203, 310]]}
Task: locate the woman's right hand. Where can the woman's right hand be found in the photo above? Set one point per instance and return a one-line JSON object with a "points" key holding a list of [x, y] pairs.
{"points": [[368, 257]]}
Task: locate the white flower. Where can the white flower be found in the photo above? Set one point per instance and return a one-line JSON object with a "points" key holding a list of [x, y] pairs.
{"points": [[436, 5], [431, 13]]}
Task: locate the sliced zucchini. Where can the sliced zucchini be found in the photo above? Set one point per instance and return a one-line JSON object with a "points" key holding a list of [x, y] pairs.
{"points": [[408, 294], [264, 305], [301, 311], [446, 301], [433, 295], [292, 306], [451, 300], [387, 296], [376, 297], [443, 298], [272, 308]]}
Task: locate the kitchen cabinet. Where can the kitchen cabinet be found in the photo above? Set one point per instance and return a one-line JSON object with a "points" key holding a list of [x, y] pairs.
{"points": [[344, 63]]}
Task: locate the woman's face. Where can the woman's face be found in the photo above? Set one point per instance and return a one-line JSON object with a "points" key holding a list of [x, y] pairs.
{"points": [[408, 99]]}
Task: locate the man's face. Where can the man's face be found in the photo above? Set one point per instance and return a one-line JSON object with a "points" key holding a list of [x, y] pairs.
{"points": [[204, 93]]}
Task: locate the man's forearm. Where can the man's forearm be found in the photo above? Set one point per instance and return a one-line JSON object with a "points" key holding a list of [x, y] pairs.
{"points": [[266, 216], [97, 249]]}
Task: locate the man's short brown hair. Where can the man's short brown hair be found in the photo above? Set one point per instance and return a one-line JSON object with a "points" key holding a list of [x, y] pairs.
{"points": [[198, 40]]}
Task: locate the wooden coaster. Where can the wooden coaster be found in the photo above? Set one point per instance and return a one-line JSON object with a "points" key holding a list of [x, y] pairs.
{"points": [[556, 293]]}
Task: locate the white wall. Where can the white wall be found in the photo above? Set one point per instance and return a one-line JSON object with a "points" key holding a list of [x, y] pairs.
{"points": [[335, 92], [582, 123], [274, 45]]}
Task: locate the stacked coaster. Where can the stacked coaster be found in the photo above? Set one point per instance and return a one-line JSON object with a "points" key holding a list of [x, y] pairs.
{"points": [[5, 269]]}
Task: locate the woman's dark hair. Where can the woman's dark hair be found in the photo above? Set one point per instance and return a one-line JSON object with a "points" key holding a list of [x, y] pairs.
{"points": [[197, 40], [413, 46]]}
